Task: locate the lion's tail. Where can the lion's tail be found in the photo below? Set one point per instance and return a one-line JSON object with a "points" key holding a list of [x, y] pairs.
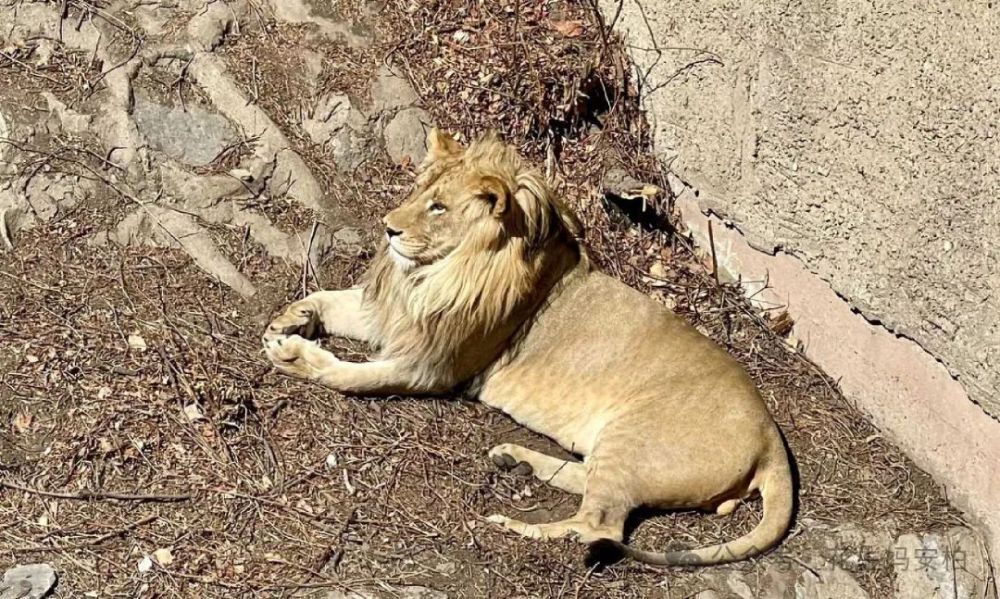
{"points": [[777, 493]]}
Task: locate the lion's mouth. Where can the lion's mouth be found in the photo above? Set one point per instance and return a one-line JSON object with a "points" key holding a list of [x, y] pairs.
{"points": [[403, 261]]}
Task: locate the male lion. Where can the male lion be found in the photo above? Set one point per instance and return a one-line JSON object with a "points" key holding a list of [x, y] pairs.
{"points": [[483, 286]]}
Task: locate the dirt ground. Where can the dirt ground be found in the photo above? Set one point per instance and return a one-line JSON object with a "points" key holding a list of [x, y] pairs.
{"points": [[147, 448]]}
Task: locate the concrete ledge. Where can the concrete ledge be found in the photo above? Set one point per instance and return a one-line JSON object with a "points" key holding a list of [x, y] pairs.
{"points": [[909, 395]]}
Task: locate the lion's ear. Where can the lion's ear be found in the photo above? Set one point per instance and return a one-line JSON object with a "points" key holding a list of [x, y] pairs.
{"points": [[440, 145], [496, 192]]}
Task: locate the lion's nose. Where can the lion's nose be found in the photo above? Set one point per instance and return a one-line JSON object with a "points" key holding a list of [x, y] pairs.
{"points": [[392, 232]]}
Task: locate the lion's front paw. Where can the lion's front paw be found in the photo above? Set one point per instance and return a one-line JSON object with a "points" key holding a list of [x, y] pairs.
{"points": [[298, 357], [301, 318]]}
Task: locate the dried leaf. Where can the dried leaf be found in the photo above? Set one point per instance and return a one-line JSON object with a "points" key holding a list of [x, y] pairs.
{"points": [[22, 422], [193, 412], [163, 556], [145, 564], [136, 342], [568, 28]]}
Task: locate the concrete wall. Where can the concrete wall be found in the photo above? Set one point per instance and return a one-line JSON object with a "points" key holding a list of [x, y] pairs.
{"points": [[854, 150], [864, 141]]}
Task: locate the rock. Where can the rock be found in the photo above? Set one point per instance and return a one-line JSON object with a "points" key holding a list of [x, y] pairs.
{"points": [[33, 581], [209, 27], [738, 586], [628, 200], [331, 113], [289, 172], [727, 584], [404, 135], [832, 583], [950, 565], [415, 592], [348, 239], [47, 195], [340, 126], [779, 580], [160, 226], [5, 134], [68, 119], [195, 136], [151, 18], [708, 594], [618, 182], [391, 92]]}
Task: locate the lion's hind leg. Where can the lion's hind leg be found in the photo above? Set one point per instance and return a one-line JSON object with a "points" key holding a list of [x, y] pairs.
{"points": [[590, 524], [561, 474], [601, 515]]}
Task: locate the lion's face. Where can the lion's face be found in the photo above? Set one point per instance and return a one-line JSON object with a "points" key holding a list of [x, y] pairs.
{"points": [[435, 218], [453, 197]]}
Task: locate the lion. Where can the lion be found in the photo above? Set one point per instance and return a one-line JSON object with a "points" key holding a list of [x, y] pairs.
{"points": [[481, 285]]}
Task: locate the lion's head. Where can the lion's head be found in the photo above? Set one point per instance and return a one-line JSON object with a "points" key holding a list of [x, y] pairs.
{"points": [[476, 241], [479, 197]]}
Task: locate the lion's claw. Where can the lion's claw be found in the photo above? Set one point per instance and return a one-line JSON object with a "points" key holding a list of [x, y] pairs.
{"points": [[300, 320], [295, 356]]}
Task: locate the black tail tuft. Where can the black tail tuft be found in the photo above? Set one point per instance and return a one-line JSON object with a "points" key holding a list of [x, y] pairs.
{"points": [[604, 552]]}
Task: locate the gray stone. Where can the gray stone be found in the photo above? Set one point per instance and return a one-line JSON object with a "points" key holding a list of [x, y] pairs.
{"points": [[195, 136], [211, 24], [68, 119], [341, 127], [4, 134], [348, 238], [392, 91], [728, 584], [28, 582], [405, 135], [618, 182], [832, 583], [312, 70], [290, 174], [151, 19], [417, 592], [779, 581], [331, 114], [160, 226], [950, 565]]}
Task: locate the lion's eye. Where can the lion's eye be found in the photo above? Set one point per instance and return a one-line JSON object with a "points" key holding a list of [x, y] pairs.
{"points": [[437, 208]]}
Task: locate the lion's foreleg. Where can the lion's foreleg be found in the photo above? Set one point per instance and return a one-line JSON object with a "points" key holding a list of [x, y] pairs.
{"points": [[298, 357], [334, 313]]}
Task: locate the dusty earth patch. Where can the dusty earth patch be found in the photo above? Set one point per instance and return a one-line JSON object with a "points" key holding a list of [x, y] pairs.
{"points": [[148, 449]]}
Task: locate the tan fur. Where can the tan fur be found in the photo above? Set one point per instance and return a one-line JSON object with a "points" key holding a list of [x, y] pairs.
{"points": [[482, 285]]}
